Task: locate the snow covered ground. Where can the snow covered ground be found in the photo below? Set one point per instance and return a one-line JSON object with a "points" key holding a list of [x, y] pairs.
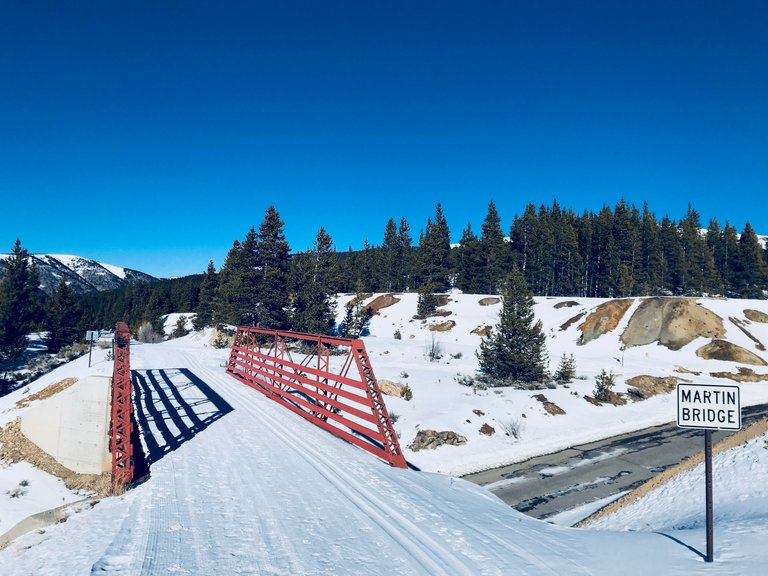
{"points": [[440, 403], [240, 486]]}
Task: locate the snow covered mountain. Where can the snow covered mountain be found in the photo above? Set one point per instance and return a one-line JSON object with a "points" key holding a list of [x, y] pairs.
{"points": [[82, 274]]}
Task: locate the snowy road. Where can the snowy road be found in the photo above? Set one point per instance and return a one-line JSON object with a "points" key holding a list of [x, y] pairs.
{"points": [[553, 483], [240, 486]]}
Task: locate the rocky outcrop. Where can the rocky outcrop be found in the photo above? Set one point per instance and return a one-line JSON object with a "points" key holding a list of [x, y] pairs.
{"points": [[603, 319], [549, 407], [743, 374], [442, 326], [391, 388], [490, 301], [383, 301], [724, 350], [756, 316], [482, 331], [431, 439], [646, 386], [672, 322]]}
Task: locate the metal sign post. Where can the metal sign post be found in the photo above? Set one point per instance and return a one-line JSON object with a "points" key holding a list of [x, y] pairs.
{"points": [[91, 336], [708, 407]]}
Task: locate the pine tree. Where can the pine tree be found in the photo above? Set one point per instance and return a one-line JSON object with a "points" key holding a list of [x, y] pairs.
{"points": [[62, 318], [389, 257], [514, 351], [568, 262], [17, 298], [404, 255], [650, 249], [469, 265], [673, 264], [230, 280], [427, 301], [314, 309], [273, 253], [180, 329], [435, 253], [753, 273], [728, 263], [700, 273], [206, 300], [249, 297], [493, 251]]}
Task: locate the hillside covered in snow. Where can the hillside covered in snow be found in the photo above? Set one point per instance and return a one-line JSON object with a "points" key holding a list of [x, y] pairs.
{"points": [[239, 485]]}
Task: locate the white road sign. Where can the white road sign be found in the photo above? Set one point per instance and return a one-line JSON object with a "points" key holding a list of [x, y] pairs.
{"points": [[708, 406], [91, 335]]}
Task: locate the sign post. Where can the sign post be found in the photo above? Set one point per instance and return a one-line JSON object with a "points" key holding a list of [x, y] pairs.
{"points": [[710, 407], [91, 336]]}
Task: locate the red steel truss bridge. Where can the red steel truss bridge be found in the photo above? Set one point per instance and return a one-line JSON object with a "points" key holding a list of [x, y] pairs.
{"points": [[331, 384]]}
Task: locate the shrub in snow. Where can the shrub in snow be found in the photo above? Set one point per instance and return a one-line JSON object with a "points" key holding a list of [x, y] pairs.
{"points": [[603, 385], [434, 349], [147, 334], [513, 428], [180, 329], [566, 370]]}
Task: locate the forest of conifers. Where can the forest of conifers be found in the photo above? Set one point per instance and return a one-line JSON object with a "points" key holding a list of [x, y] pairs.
{"points": [[619, 251]]}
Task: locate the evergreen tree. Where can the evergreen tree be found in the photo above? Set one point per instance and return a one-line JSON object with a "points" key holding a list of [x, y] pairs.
{"points": [[673, 264], [404, 255], [728, 263], [493, 251], [569, 263], [514, 350], [435, 253], [651, 257], [62, 318], [427, 301], [521, 236], [248, 300], [356, 315], [700, 273], [607, 268], [206, 300], [230, 280], [272, 250], [17, 298], [180, 329], [752, 274], [390, 257], [469, 264], [626, 233], [314, 309]]}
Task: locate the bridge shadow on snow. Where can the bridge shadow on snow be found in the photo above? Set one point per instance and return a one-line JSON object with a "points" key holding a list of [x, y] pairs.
{"points": [[171, 407]]}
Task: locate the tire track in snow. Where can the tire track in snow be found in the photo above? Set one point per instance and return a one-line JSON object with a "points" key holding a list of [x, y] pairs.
{"points": [[169, 529], [370, 504], [431, 555]]}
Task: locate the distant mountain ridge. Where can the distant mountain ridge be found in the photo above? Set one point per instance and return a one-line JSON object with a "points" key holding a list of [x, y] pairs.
{"points": [[82, 274]]}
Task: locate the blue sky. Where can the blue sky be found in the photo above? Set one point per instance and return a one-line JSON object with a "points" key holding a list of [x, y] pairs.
{"points": [[151, 135]]}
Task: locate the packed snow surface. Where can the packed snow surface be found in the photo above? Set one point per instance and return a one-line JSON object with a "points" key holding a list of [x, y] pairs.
{"points": [[239, 485]]}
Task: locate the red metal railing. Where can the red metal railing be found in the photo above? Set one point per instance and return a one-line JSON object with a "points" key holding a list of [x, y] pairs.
{"points": [[319, 387], [121, 424]]}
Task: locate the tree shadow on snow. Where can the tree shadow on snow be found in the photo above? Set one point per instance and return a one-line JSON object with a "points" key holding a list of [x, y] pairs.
{"points": [[171, 407]]}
